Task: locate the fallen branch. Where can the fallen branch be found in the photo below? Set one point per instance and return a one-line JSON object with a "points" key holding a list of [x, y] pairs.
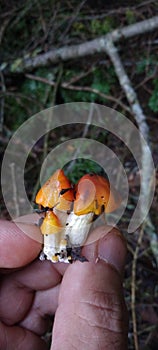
{"points": [[133, 287], [68, 86], [88, 48], [146, 175], [106, 45], [126, 85]]}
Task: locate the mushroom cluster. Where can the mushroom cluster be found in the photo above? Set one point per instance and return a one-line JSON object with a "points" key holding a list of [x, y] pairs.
{"points": [[69, 211]]}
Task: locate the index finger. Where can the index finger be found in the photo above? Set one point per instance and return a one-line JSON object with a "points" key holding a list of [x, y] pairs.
{"points": [[19, 243]]}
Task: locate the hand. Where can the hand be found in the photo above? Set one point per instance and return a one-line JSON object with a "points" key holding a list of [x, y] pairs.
{"points": [[86, 298]]}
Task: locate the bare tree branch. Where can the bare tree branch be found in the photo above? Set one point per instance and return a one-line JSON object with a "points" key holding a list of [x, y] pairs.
{"points": [[104, 44], [140, 118], [126, 85], [69, 86], [88, 48]]}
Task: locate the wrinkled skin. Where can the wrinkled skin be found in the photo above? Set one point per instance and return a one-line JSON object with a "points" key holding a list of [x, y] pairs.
{"points": [[86, 298]]}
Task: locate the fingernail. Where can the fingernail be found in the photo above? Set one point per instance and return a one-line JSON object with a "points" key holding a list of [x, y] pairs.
{"points": [[112, 249]]}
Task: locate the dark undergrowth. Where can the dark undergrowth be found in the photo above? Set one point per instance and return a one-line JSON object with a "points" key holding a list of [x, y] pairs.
{"points": [[32, 27]]}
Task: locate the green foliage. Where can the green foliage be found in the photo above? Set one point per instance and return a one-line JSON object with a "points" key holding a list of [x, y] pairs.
{"points": [[101, 27], [146, 64], [81, 167], [100, 80], [33, 96], [78, 27], [17, 112], [130, 16], [153, 101], [38, 89]]}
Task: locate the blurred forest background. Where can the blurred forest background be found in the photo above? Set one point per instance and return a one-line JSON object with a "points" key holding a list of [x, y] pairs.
{"points": [[31, 82]]}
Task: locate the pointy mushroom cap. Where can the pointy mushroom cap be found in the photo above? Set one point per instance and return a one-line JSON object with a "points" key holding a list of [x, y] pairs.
{"points": [[95, 194], [57, 191], [50, 224]]}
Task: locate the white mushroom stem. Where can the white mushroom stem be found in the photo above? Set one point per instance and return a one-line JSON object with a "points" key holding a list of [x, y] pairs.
{"points": [[52, 244], [74, 233], [77, 228]]}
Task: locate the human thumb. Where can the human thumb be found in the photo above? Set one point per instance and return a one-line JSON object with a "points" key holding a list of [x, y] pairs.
{"points": [[92, 314]]}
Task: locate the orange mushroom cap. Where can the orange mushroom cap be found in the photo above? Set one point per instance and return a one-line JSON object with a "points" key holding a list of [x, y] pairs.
{"points": [[95, 194], [57, 191], [50, 224]]}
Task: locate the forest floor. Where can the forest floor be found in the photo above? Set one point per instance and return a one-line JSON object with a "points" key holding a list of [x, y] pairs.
{"points": [[31, 28]]}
